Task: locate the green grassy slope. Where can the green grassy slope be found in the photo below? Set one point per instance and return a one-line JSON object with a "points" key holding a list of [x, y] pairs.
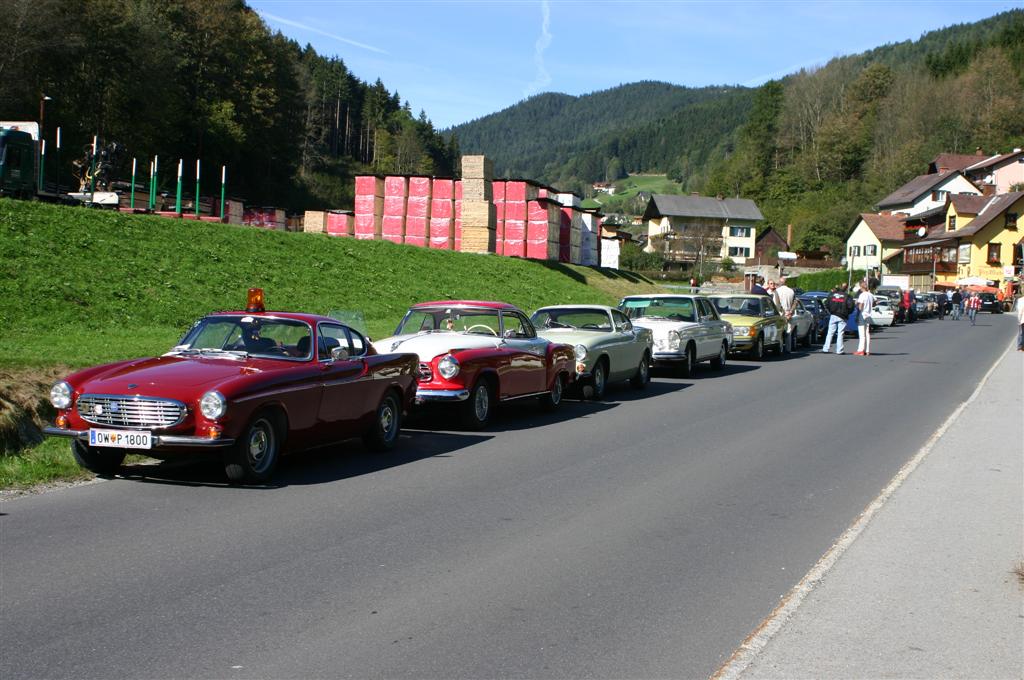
{"points": [[80, 286]]}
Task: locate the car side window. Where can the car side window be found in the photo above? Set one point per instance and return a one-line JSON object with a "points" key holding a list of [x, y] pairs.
{"points": [[707, 309], [515, 326], [356, 343], [331, 336], [768, 307], [622, 323]]}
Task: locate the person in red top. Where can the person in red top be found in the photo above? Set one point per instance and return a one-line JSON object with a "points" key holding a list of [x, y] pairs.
{"points": [[973, 304], [905, 309]]}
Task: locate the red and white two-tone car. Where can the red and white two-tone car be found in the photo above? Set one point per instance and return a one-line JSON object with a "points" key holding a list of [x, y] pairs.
{"points": [[475, 354], [249, 384]]}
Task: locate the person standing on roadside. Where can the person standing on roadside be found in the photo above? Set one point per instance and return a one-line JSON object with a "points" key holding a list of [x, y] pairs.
{"points": [[958, 300], [865, 303], [940, 305], [758, 287], [1019, 307], [785, 297], [973, 304], [839, 306], [905, 306]]}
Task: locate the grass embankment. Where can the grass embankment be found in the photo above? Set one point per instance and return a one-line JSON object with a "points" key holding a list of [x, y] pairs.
{"points": [[80, 287]]}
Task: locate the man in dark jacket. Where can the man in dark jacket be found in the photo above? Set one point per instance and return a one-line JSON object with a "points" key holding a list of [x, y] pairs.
{"points": [[758, 287], [839, 306], [958, 301]]}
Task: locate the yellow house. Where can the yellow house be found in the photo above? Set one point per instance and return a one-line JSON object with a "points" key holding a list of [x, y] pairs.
{"points": [[872, 240], [989, 241]]}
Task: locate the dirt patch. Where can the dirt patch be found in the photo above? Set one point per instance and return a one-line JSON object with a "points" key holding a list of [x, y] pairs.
{"points": [[25, 407]]}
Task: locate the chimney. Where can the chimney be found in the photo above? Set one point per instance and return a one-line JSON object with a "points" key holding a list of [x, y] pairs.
{"points": [[789, 235], [988, 190], [979, 152]]}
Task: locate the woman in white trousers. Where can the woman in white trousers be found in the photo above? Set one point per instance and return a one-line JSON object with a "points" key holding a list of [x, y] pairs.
{"points": [[865, 303]]}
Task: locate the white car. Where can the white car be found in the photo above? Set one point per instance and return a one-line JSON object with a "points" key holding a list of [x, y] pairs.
{"points": [[686, 328], [882, 314]]}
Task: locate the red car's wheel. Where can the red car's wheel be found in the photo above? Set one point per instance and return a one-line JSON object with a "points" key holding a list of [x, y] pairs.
{"points": [[387, 423], [104, 462], [553, 399], [254, 456], [477, 410]]}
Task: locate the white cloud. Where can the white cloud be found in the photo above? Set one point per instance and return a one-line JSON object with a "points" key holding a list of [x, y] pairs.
{"points": [[296, 24], [543, 78]]}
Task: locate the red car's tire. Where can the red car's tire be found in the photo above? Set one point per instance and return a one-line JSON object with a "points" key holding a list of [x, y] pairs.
{"points": [[103, 462], [255, 455]]}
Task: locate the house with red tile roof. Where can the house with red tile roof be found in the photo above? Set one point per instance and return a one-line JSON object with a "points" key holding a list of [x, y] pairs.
{"points": [[874, 238], [998, 174]]}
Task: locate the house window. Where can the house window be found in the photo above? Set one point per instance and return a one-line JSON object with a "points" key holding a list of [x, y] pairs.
{"points": [[739, 252], [854, 251], [952, 223], [871, 250], [1011, 221], [993, 253], [741, 232]]}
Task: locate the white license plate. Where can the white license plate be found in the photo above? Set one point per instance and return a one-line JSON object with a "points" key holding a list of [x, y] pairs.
{"points": [[120, 439]]}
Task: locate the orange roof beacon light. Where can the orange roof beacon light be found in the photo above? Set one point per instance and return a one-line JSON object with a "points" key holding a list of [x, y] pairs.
{"points": [[255, 303]]}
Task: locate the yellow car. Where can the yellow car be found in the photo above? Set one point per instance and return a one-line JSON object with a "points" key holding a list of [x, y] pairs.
{"points": [[757, 323]]}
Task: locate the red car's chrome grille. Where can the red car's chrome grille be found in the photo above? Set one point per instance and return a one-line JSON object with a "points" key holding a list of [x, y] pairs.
{"points": [[126, 411], [425, 374]]}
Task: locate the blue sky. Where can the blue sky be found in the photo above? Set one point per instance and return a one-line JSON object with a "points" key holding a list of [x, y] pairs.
{"points": [[460, 60]]}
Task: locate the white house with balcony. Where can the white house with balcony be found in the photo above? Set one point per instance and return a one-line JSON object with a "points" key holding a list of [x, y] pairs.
{"points": [[680, 227], [927, 192]]}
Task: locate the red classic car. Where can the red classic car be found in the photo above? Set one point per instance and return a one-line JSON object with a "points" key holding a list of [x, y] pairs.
{"points": [[479, 353], [251, 384]]}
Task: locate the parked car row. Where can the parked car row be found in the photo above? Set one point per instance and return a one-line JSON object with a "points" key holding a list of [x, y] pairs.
{"points": [[253, 384]]}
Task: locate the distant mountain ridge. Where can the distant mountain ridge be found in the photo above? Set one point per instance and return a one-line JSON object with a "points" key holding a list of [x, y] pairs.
{"points": [[689, 133], [562, 138]]}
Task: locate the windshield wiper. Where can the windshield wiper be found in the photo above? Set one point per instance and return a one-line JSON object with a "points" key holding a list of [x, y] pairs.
{"points": [[233, 353]]}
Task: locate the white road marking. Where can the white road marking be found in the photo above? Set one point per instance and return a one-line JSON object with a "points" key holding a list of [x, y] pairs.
{"points": [[755, 643]]}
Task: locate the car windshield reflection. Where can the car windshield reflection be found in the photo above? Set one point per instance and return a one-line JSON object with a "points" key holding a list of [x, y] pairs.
{"points": [[572, 319], [248, 336], [737, 305], [673, 309], [450, 320]]}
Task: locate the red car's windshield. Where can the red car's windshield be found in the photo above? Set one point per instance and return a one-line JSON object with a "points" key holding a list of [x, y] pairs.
{"points": [[246, 335]]}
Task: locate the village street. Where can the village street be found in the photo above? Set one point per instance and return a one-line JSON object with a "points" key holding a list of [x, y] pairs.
{"points": [[646, 536]]}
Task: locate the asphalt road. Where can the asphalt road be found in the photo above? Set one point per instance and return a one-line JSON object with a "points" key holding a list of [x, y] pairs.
{"points": [[642, 537]]}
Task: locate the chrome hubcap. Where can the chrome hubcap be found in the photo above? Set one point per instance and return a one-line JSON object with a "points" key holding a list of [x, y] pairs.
{"points": [[261, 441], [387, 420], [644, 368], [599, 380], [482, 403]]}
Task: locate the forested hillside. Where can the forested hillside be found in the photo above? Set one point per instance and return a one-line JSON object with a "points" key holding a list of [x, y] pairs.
{"points": [[822, 145], [207, 79], [571, 141], [813, 149]]}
